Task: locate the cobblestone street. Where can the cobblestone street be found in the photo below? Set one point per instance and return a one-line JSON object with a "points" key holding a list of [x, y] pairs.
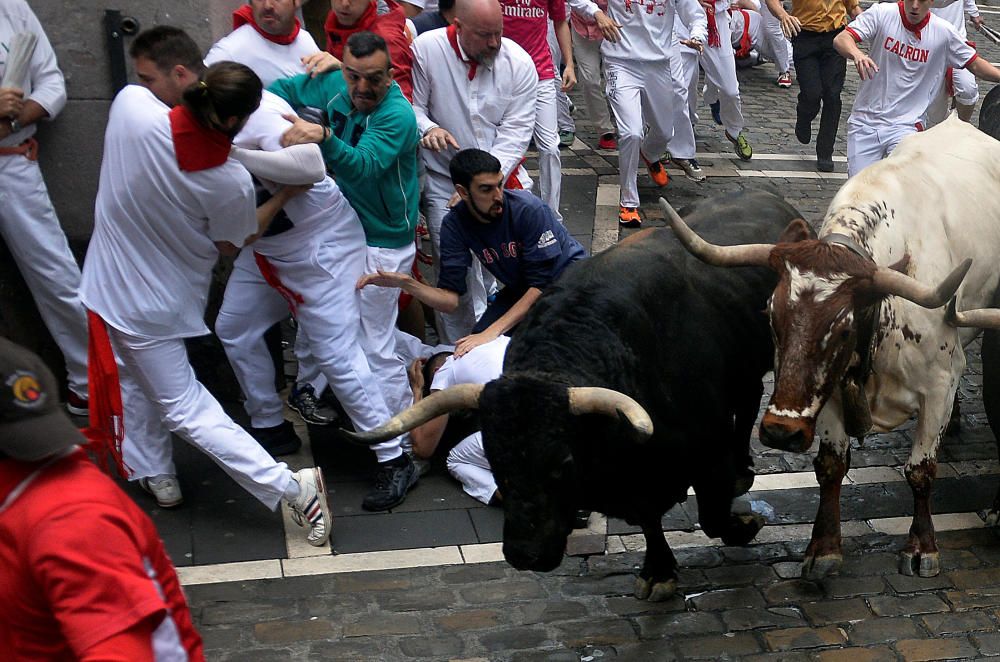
{"points": [[427, 581]]}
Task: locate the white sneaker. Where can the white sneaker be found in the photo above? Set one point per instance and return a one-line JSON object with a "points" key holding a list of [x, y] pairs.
{"points": [[164, 488], [311, 508]]}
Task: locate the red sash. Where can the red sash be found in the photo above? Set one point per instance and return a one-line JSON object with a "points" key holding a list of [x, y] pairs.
{"points": [[107, 422]]}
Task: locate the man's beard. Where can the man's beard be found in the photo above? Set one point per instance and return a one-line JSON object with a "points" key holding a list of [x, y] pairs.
{"points": [[487, 215]]}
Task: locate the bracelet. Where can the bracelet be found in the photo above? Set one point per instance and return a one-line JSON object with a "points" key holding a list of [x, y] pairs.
{"points": [[327, 133]]}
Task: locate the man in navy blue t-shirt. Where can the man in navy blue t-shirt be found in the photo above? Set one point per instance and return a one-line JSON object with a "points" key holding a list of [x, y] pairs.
{"points": [[513, 234]]}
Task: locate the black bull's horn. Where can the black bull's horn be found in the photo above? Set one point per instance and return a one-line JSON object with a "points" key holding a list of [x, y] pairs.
{"points": [[582, 400], [885, 280]]}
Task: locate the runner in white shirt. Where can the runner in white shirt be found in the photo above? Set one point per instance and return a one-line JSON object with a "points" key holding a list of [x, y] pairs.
{"points": [[268, 37], [170, 198], [684, 70], [962, 84], [910, 50], [718, 60], [310, 266], [470, 91], [28, 222], [637, 55]]}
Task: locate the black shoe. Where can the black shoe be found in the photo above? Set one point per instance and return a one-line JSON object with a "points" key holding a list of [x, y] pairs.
{"points": [[824, 165], [277, 440], [716, 107], [803, 131], [581, 519], [392, 481], [303, 401]]}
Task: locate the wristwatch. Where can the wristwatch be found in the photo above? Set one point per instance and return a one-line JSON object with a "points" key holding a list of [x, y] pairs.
{"points": [[15, 126]]}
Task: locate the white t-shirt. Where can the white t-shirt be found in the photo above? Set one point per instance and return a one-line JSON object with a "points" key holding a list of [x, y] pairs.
{"points": [[270, 61], [647, 26], [482, 364], [313, 213], [45, 85], [955, 14], [150, 260], [910, 68], [495, 111]]}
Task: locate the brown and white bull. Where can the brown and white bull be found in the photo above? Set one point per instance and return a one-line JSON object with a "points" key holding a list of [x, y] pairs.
{"points": [[862, 339]]}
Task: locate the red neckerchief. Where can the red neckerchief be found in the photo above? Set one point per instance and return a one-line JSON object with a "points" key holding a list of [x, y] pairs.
{"points": [[714, 40], [336, 36], [245, 15], [196, 147], [453, 40], [915, 28]]}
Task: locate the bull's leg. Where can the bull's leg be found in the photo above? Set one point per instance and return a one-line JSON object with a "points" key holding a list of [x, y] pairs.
{"points": [[716, 517], [920, 554], [991, 402], [823, 556], [746, 410], [657, 580]]}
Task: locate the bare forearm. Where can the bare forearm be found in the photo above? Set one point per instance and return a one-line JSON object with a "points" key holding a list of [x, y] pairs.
{"points": [[845, 45], [565, 42], [31, 113], [776, 8], [982, 68], [513, 317], [440, 299]]}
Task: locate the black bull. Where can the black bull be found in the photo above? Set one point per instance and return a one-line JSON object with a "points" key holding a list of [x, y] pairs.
{"points": [[689, 342]]}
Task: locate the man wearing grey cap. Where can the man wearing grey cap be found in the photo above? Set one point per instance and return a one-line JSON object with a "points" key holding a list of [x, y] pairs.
{"points": [[83, 573]]}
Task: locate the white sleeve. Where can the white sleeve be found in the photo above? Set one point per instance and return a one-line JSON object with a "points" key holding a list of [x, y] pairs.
{"points": [[518, 122], [217, 53], [421, 86], [694, 17], [584, 7], [971, 8], [866, 25], [48, 88], [298, 164]]}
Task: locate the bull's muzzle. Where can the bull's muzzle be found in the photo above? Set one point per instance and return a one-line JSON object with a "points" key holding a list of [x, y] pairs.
{"points": [[786, 434]]}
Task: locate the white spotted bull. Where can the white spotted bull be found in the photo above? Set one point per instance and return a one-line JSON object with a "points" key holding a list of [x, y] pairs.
{"points": [[862, 339]]}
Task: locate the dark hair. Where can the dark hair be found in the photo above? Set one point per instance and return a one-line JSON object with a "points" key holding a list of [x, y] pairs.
{"points": [[471, 162], [166, 47], [227, 89], [431, 367], [363, 44], [445, 5]]}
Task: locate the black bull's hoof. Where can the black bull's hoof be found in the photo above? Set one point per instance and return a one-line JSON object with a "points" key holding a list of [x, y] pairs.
{"points": [[655, 591], [742, 529]]}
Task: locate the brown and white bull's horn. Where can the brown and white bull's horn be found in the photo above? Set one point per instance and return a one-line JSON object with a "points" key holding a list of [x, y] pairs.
{"points": [[462, 396], [889, 281], [744, 255], [597, 400], [980, 318]]}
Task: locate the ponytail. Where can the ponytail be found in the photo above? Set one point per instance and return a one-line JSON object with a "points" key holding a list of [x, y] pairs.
{"points": [[226, 90]]}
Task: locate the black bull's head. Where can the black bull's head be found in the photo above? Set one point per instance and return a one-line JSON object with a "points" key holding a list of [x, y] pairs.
{"points": [[528, 423], [825, 288]]}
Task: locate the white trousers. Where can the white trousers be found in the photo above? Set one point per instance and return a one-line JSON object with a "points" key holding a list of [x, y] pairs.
{"points": [[867, 145], [641, 94], [684, 67], [719, 64], [587, 54], [564, 121], [379, 310], [472, 304], [31, 230], [324, 274], [776, 46], [160, 395], [468, 464], [547, 144]]}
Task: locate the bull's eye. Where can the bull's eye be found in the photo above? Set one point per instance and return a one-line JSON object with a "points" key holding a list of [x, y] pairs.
{"points": [[845, 334]]}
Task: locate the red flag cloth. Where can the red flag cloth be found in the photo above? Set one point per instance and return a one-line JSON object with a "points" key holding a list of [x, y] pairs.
{"points": [[453, 40], [270, 274], [195, 146], [244, 15], [107, 423], [714, 40]]}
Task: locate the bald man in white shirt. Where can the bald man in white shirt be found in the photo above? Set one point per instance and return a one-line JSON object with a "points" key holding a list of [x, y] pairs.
{"points": [[471, 88]]}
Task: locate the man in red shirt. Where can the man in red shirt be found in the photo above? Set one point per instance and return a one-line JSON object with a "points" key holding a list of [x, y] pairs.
{"points": [[85, 577], [349, 16]]}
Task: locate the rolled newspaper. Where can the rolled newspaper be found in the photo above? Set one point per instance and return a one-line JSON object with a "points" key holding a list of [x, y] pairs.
{"points": [[22, 47]]}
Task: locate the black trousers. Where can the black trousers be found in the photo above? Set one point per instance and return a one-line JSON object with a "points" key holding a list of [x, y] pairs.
{"points": [[820, 70]]}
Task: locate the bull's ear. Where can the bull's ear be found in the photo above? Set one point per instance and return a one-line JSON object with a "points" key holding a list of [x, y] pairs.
{"points": [[797, 230], [902, 264]]}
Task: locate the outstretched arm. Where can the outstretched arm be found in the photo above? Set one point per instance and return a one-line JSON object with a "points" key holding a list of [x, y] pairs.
{"points": [[437, 298]]}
